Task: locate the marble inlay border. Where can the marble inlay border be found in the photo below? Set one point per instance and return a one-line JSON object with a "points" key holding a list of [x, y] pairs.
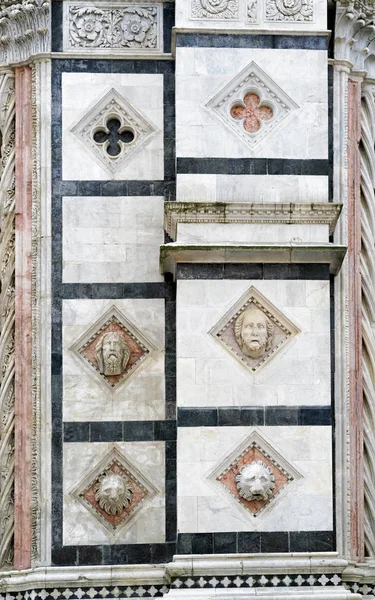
{"points": [[253, 166], [268, 580], [243, 40], [246, 416]]}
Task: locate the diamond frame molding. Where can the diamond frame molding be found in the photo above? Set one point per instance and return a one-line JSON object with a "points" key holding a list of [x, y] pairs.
{"points": [[113, 105], [252, 79], [259, 441], [92, 332], [253, 296], [114, 456]]}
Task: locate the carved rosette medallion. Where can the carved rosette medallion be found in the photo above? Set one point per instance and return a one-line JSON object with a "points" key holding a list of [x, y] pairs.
{"points": [[255, 474], [290, 10], [251, 105], [103, 26], [114, 491], [114, 131], [113, 349], [215, 9], [254, 330]]}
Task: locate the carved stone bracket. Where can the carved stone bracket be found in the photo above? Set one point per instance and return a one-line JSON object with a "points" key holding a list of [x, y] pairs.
{"points": [[24, 30]]}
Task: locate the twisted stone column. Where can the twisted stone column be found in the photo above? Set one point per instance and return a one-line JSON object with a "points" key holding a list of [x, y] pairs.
{"points": [[7, 315], [367, 157]]}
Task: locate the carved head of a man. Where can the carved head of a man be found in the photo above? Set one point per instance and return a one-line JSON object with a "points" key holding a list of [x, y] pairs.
{"points": [[113, 493], [254, 332], [255, 481], [112, 354]]}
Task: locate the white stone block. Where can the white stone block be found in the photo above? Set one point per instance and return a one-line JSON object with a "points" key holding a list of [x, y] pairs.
{"points": [[81, 527], [202, 133], [307, 506], [142, 396], [144, 92], [208, 375], [112, 239]]}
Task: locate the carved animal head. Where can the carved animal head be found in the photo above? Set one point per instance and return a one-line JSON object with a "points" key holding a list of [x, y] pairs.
{"points": [[256, 481]]}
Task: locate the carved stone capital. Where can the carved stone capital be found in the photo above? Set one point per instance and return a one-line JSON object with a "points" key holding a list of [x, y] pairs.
{"points": [[24, 30], [355, 34]]}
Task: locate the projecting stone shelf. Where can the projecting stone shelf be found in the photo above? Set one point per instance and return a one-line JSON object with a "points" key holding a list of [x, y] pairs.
{"points": [[293, 252], [271, 213]]}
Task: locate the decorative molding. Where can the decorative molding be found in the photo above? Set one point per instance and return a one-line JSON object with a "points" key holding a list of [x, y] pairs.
{"points": [[293, 252], [354, 34], [252, 83], [7, 316], [134, 493], [24, 30], [323, 213], [250, 452], [227, 10], [367, 258], [252, 11], [296, 11], [113, 107], [113, 27], [251, 346], [133, 349]]}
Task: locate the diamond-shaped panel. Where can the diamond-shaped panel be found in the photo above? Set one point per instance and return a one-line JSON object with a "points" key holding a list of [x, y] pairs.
{"points": [[113, 107], [113, 348], [255, 474], [251, 105], [114, 491], [254, 330]]}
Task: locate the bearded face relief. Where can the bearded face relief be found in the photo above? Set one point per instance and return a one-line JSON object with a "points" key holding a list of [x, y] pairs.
{"points": [[113, 493], [112, 354], [256, 481], [254, 332]]}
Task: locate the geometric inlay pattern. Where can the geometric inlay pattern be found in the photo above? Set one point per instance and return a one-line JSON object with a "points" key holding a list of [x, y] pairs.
{"points": [[252, 82], [113, 348], [254, 474], [254, 330], [117, 501], [113, 107]]}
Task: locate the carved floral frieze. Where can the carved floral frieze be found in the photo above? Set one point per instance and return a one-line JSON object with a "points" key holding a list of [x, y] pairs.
{"points": [[114, 491], [254, 475], [105, 26], [251, 105], [253, 331], [113, 349], [215, 9], [290, 10]]}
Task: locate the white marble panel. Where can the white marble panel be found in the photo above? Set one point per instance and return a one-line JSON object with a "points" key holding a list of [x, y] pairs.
{"points": [[82, 90], [80, 527], [308, 505], [252, 188], [208, 375], [142, 396], [112, 239], [302, 74], [241, 22], [198, 233]]}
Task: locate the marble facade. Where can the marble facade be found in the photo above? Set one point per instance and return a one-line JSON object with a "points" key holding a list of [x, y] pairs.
{"points": [[187, 303]]}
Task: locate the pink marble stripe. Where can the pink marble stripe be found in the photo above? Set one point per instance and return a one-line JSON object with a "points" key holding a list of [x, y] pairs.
{"points": [[23, 336], [355, 318]]}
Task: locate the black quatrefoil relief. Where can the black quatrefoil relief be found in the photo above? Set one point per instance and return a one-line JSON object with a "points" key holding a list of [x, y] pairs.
{"points": [[111, 136]]}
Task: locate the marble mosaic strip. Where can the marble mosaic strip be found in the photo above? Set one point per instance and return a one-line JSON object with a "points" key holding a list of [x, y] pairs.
{"points": [[244, 581], [83, 593], [357, 588]]}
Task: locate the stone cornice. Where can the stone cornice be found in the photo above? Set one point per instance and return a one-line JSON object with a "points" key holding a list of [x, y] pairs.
{"points": [[287, 253], [248, 212], [24, 30]]}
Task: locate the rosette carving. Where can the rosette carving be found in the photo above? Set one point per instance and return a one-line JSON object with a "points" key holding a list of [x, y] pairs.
{"points": [[130, 27], [290, 10], [215, 9]]}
